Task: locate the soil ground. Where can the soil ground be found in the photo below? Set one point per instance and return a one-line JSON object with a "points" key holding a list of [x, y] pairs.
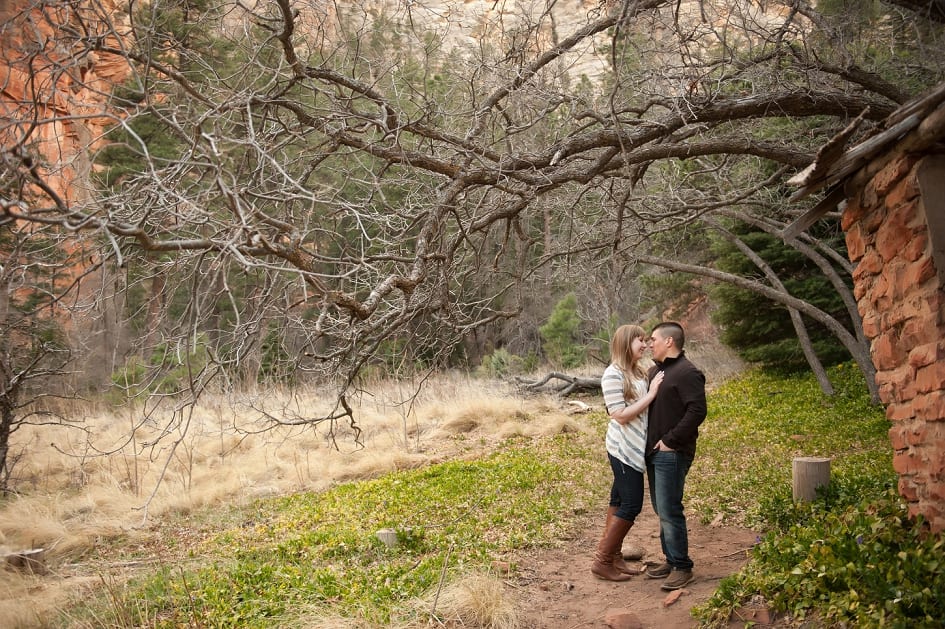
{"points": [[556, 590]]}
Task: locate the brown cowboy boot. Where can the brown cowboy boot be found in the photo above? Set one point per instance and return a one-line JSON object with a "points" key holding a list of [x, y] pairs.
{"points": [[619, 562], [609, 546]]}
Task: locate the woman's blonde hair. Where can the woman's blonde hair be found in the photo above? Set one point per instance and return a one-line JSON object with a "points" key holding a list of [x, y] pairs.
{"points": [[621, 356]]}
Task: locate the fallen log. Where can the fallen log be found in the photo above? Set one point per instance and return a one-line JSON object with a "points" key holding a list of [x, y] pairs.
{"points": [[564, 384]]}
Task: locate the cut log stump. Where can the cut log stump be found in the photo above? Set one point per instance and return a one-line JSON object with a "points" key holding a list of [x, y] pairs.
{"points": [[809, 473]]}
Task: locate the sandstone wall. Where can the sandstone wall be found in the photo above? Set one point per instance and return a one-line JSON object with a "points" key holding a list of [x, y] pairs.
{"points": [[55, 88], [893, 233], [54, 104]]}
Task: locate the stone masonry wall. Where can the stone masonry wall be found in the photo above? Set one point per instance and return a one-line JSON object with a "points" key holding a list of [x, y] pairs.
{"points": [[902, 301]]}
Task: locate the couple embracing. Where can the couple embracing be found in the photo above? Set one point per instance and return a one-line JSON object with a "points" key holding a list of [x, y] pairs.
{"points": [[654, 422]]}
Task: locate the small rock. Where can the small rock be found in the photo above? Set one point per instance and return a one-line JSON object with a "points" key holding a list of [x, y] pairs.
{"points": [[759, 615], [633, 553], [673, 596], [622, 619]]}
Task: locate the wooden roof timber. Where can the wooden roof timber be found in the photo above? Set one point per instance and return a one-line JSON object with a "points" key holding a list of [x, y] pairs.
{"points": [[913, 128]]}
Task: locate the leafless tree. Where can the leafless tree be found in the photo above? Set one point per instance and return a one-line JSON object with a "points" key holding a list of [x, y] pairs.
{"points": [[329, 178], [33, 347]]}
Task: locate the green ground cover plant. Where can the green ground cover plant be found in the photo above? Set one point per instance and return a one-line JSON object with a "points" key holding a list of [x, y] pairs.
{"points": [[309, 550], [760, 421], [845, 562], [851, 557]]}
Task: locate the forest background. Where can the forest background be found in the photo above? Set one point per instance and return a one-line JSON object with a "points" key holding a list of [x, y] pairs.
{"points": [[250, 202]]}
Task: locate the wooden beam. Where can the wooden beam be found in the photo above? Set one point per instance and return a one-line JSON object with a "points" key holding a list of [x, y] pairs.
{"points": [[827, 156], [857, 157], [811, 216]]}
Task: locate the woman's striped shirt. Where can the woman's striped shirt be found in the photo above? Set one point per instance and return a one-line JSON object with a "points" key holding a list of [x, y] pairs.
{"points": [[626, 443]]}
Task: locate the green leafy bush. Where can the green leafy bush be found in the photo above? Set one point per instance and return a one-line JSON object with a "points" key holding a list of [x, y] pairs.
{"points": [[168, 370], [131, 375], [501, 363], [561, 334], [850, 558]]}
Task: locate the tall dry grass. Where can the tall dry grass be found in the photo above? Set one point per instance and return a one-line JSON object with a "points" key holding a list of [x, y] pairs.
{"points": [[116, 477]]}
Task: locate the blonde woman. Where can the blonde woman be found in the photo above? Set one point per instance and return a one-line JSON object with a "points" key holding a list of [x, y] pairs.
{"points": [[627, 396]]}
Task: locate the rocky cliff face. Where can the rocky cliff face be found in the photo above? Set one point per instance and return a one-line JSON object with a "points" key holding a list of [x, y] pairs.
{"points": [[472, 23], [45, 76], [54, 96]]}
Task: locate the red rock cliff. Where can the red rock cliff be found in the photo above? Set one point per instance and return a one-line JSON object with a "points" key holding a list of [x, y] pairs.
{"points": [[48, 73]]}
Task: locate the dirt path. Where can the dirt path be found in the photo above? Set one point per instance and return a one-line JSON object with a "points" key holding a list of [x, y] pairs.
{"points": [[557, 591]]}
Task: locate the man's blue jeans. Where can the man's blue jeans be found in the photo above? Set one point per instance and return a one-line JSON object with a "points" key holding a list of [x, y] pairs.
{"points": [[666, 472]]}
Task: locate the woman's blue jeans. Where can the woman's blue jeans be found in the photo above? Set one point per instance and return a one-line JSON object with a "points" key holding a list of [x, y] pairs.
{"points": [[626, 493], [666, 472]]}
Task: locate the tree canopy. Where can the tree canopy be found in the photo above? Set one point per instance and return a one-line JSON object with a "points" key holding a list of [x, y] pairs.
{"points": [[297, 186]]}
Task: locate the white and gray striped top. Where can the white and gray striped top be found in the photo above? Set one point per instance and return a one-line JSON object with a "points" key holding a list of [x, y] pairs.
{"points": [[626, 443]]}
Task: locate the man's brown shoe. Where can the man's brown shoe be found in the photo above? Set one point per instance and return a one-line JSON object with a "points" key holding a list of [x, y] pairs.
{"points": [[659, 571], [677, 579]]}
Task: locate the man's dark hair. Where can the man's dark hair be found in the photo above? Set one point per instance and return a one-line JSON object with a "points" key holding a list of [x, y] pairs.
{"points": [[673, 330]]}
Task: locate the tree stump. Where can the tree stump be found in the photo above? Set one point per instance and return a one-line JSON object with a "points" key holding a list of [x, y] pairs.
{"points": [[388, 536], [809, 473]]}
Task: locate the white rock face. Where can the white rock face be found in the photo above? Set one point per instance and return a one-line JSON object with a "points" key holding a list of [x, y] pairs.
{"points": [[483, 27]]}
